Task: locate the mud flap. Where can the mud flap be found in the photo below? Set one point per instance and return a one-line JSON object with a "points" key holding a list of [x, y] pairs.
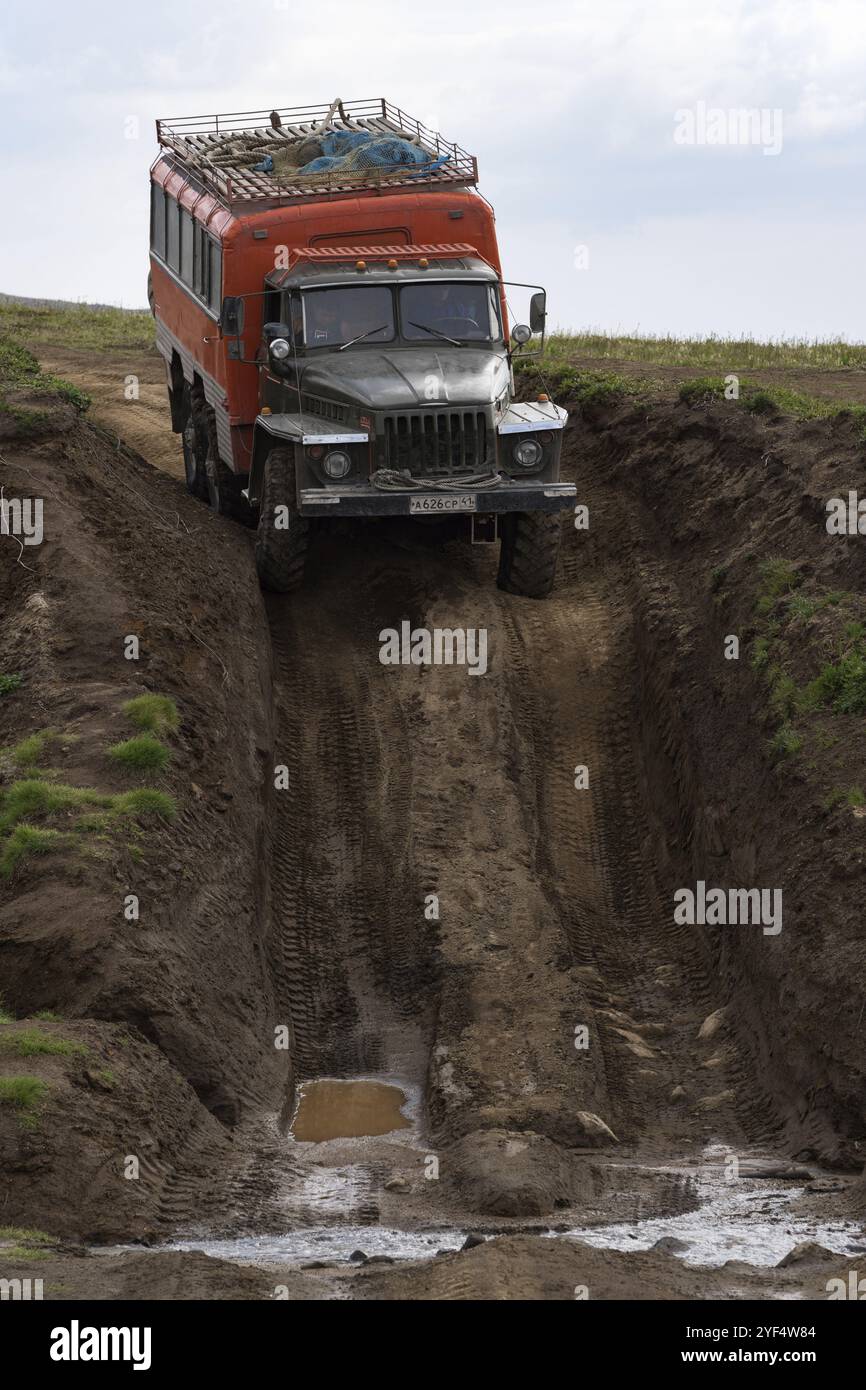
{"points": [[484, 528]]}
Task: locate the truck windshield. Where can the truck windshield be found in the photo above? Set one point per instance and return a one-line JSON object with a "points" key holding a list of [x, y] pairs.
{"points": [[336, 316], [455, 309]]}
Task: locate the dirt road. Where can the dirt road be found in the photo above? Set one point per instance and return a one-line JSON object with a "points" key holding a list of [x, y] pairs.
{"points": [[466, 881]]}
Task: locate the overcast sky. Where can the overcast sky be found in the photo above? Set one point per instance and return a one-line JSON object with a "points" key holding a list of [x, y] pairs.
{"points": [[602, 129]]}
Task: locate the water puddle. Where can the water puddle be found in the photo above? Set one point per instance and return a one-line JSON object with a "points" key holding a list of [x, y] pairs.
{"points": [[753, 1220], [330, 1109], [331, 1244]]}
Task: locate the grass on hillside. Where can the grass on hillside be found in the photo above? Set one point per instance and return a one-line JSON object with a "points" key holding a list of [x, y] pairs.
{"points": [[21, 379], [563, 379], [77, 326], [810, 650], [32, 1042], [724, 354], [23, 1093]]}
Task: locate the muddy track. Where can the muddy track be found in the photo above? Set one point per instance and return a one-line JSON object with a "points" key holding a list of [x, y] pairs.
{"points": [[405, 782], [352, 964]]}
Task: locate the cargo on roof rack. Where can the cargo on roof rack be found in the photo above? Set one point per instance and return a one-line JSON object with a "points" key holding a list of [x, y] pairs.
{"points": [[250, 157]]}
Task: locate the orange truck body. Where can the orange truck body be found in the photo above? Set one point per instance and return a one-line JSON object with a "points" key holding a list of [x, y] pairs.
{"points": [[253, 239]]}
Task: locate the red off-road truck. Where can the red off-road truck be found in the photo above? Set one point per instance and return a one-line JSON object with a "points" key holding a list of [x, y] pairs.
{"points": [[330, 306]]}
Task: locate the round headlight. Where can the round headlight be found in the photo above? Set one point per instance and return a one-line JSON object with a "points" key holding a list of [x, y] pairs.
{"points": [[280, 348], [337, 464], [527, 453], [521, 333]]}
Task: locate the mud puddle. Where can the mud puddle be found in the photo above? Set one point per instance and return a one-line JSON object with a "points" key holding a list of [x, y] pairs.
{"points": [[336, 1244], [751, 1219], [330, 1109]]}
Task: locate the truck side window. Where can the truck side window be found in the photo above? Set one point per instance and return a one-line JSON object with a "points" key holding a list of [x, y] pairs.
{"points": [[215, 278], [172, 237], [200, 267], [157, 220], [186, 257]]}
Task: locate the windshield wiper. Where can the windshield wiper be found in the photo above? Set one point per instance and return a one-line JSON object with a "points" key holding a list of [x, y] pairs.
{"points": [[425, 328], [368, 334]]}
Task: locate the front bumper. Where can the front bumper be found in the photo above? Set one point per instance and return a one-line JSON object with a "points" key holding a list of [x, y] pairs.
{"points": [[373, 501]]}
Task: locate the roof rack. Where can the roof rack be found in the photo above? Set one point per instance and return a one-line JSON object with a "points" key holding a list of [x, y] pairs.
{"points": [[220, 151]]}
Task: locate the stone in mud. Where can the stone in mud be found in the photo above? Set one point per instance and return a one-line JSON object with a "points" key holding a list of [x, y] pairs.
{"points": [[515, 1173], [594, 1130], [679, 1093], [471, 1241], [358, 1257], [397, 1184], [808, 1252], [768, 1168], [635, 1044], [711, 1025], [670, 1245], [718, 1059], [716, 1102]]}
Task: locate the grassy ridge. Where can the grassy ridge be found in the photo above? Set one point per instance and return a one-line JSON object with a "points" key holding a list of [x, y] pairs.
{"points": [[725, 354], [86, 326]]}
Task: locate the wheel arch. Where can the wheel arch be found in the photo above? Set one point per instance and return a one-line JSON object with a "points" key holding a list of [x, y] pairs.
{"points": [[263, 441]]}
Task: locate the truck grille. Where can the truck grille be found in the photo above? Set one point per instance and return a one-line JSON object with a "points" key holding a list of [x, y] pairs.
{"points": [[436, 444]]}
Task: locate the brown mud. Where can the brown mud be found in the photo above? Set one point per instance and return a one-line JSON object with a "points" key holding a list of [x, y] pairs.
{"points": [[305, 911]]}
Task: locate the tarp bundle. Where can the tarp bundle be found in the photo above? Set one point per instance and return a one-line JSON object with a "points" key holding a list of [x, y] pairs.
{"points": [[352, 151]]}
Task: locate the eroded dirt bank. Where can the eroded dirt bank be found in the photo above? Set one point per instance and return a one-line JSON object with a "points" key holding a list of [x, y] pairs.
{"points": [[309, 906], [177, 1000]]}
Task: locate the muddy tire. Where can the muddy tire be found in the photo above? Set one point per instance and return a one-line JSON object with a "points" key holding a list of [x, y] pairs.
{"points": [[222, 488], [280, 551], [529, 552], [194, 454]]}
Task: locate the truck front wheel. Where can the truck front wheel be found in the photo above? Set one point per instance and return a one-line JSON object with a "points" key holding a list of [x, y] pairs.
{"points": [[529, 552], [281, 541]]}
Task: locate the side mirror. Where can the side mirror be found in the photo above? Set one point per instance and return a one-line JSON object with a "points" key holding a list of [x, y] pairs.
{"points": [[232, 316], [538, 311]]}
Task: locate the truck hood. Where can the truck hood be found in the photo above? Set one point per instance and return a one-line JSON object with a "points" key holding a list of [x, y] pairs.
{"points": [[400, 378]]}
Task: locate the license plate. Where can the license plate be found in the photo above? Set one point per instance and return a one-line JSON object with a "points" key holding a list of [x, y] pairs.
{"points": [[433, 503]]}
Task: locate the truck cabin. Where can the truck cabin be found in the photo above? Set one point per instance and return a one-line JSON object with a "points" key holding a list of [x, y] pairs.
{"points": [[363, 304]]}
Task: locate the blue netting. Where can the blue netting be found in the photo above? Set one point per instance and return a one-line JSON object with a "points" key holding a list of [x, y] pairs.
{"points": [[339, 142], [322, 164], [354, 150]]}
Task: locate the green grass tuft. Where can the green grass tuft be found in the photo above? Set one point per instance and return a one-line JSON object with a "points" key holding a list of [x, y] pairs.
{"points": [[145, 801], [785, 742], [154, 713], [32, 1042], [19, 370], [8, 684], [36, 797], [840, 684], [30, 750], [23, 1235], [25, 840], [144, 753], [778, 577], [22, 1092]]}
